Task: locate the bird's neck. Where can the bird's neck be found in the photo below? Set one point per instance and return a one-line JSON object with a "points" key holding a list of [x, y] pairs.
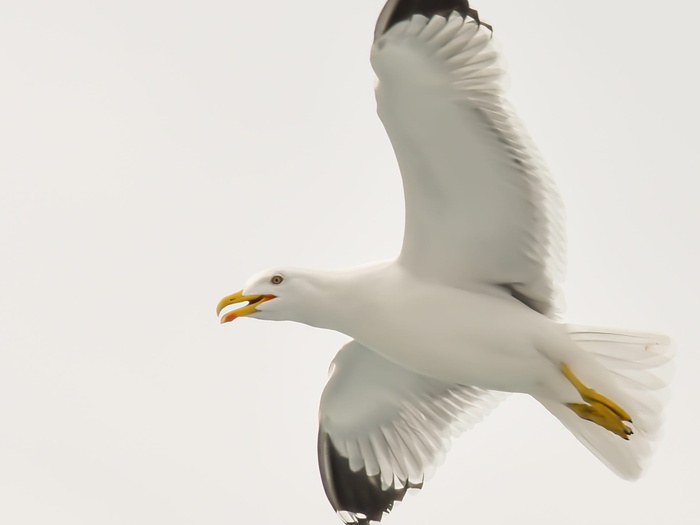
{"points": [[345, 297]]}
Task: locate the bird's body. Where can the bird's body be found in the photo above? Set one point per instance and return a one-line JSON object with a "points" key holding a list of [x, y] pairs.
{"points": [[482, 337], [469, 308]]}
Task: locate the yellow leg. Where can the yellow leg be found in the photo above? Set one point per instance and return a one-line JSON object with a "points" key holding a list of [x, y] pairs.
{"points": [[600, 410]]}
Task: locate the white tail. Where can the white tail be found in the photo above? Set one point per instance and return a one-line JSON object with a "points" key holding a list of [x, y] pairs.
{"points": [[640, 365]]}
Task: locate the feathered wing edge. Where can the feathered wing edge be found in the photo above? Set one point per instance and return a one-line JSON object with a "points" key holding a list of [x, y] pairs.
{"points": [[383, 429], [355, 496]]}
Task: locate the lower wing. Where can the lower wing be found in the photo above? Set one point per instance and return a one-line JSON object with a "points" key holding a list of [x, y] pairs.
{"points": [[383, 428]]}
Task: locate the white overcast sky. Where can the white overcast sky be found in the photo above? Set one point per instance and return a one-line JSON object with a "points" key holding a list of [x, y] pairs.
{"points": [[155, 154]]}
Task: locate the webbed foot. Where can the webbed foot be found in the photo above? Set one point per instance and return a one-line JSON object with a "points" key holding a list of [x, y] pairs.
{"points": [[598, 408]]}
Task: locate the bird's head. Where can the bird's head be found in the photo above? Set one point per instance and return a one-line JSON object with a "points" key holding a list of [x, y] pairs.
{"points": [[279, 294]]}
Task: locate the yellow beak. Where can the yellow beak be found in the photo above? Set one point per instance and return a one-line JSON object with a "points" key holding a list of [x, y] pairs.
{"points": [[238, 297]]}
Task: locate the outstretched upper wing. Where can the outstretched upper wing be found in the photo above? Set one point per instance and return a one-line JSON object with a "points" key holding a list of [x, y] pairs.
{"points": [[480, 205], [382, 428]]}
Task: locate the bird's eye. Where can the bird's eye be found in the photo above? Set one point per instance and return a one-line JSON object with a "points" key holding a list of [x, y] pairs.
{"points": [[277, 279]]}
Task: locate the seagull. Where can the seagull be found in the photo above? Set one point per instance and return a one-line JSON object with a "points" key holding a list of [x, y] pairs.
{"points": [[469, 310]]}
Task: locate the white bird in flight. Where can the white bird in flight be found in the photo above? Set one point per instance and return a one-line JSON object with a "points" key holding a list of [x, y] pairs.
{"points": [[468, 310]]}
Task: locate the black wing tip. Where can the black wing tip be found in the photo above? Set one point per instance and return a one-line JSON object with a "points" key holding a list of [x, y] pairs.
{"points": [[475, 15], [355, 496], [396, 11]]}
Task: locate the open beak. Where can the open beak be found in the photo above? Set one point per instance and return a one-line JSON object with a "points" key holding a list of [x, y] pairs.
{"points": [[238, 297]]}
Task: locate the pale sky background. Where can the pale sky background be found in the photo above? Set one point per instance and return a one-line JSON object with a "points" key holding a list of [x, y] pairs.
{"points": [[155, 154]]}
